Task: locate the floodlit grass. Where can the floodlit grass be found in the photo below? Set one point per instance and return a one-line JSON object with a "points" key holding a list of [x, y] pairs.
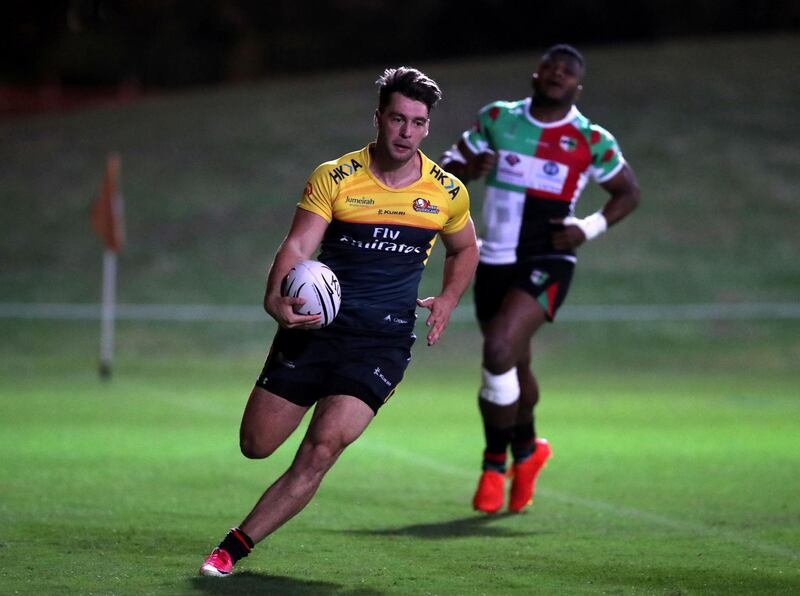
{"points": [[677, 477]]}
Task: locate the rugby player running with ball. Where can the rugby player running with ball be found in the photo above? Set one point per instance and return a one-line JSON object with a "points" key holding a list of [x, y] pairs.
{"points": [[375, 214]]}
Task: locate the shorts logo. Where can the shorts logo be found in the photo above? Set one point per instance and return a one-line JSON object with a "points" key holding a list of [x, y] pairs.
{"points": [[424, 206], [550, 168], [539, 277], [393, 319], [284, 361], [377, 372], [567, 143]]}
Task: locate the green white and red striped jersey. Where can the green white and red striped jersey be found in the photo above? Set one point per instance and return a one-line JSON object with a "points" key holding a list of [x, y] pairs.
{"points": [[542, 167]]}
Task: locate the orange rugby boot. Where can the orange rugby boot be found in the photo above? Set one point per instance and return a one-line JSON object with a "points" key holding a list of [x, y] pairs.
{"points": [[490, 494], [524, 477]]}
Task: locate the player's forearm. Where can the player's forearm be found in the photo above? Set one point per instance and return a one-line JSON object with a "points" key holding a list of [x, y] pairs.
{"points": [[459, 267], [456, 168], [288, 255], [624, 191], [458, 160], [621, 205]]}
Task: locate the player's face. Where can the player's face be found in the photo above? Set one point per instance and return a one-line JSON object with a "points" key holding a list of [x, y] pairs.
{"points": [[402, 125], [557, 81]]}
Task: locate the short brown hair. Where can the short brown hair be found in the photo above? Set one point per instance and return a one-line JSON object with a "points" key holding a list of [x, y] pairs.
{"points": [[409, 82]]}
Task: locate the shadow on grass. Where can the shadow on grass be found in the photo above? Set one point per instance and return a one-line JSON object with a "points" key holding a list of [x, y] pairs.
{"points": [[474, 525], [248, 582]]}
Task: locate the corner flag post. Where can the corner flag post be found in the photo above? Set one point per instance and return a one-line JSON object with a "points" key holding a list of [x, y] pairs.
{"points": [[108, 222]]}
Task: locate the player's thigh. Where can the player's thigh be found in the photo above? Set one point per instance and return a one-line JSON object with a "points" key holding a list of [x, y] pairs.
{"points": [[338, 420], [519, 317], [267, 422]]}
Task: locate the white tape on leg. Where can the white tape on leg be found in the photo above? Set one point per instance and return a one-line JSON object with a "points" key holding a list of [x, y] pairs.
{"points": [[502, 389]]}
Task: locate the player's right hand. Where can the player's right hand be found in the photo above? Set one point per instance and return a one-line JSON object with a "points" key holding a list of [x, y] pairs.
{"points": [[566, 237], [281, 308]]}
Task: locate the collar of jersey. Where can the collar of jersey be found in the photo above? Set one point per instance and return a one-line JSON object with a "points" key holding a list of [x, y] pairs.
{"points": [[571, 115], [368, 159]]}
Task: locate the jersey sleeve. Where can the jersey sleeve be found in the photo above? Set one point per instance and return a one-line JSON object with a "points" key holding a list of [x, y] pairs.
{"points": [[459, 213], [607, 157], [318, 195], [479, 137]]}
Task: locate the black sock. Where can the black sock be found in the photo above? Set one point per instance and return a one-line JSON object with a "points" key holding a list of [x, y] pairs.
{"points": [[497, 440], [523, 442], [237, 543]]}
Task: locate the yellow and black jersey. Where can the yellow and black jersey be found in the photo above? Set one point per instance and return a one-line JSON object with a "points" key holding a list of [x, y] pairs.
{"points": [[379, 238]]}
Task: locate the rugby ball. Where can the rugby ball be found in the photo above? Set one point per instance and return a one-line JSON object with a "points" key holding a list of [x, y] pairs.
{"points": [[318, 286]]}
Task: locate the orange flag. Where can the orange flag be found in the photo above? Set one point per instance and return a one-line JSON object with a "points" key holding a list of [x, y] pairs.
{"points": [[107, 212]]}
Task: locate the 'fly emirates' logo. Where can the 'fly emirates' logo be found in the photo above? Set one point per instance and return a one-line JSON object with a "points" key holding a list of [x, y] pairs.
{"points": [[385, 239]]}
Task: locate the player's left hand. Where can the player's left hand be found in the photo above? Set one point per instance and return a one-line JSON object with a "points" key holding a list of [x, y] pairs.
{"points": [[566, 237], [441, 308]]}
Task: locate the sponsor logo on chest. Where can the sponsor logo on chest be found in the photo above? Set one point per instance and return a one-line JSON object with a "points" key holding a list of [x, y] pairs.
{"points": [[384, 239]]}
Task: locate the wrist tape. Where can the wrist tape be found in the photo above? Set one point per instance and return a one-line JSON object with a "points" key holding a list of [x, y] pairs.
{"points": [[591, 226]]}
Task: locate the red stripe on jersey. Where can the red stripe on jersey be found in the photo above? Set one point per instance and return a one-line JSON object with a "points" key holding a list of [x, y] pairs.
{"points": [[577, 159], [493, 113], [608, 155], [595, 137]]}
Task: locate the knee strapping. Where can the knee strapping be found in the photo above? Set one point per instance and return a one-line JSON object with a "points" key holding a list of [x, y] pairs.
{"points": [[502, 389]]}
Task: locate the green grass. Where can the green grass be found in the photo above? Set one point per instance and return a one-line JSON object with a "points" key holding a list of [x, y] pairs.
{"points": [[675, 467], [672, 473]]}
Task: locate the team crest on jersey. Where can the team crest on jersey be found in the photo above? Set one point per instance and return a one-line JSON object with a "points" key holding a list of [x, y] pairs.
{"points": [[424, 206], [568, 143], [512, 159]]}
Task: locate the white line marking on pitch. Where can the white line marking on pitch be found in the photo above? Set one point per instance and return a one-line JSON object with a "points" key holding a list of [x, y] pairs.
{"points": [[617, 510]]}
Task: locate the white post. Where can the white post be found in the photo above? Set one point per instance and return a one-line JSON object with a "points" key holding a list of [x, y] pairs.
{"points": [[107, 313]]}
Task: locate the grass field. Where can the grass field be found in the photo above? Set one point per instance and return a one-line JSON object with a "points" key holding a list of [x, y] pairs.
{"points": [[676, 456], [675, 478]]}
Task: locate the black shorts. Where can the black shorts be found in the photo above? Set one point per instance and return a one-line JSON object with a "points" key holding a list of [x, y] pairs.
{"points": [[545, 278], [305, 366]]}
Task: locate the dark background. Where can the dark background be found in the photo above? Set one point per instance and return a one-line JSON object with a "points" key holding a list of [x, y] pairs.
{"points": [[145, 44]]}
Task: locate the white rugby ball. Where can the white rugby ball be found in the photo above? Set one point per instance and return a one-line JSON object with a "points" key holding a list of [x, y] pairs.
{"points": [[318, 286]]}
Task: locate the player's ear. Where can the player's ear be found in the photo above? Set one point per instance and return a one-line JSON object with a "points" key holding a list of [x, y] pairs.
{"points": [[578, 92], [376, 118]]}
